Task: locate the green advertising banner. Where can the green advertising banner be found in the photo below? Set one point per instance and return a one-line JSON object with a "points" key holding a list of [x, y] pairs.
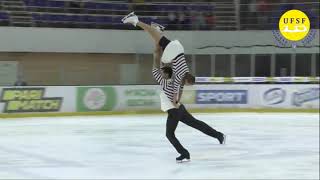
{"points": [[96, 99], [141, 97]]}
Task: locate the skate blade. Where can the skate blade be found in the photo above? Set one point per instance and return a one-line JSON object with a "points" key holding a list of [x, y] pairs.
{"points": [[183, 161], [155, 25], [224, 139], [127, 16]]}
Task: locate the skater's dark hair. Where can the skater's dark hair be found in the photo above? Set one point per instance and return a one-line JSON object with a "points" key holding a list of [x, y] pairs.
{"points": [[163, 42], [189, 77], [167, 70]]}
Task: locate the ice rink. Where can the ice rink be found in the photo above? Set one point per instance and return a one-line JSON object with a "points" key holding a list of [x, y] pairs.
{"points": [[268, 146]]}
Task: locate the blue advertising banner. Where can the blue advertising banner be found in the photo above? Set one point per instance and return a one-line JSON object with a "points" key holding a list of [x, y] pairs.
{"points": [[222, 97]]}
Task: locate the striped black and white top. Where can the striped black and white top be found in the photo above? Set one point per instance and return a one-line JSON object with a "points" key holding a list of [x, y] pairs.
{"points": [[179, 68], [166, 84]]}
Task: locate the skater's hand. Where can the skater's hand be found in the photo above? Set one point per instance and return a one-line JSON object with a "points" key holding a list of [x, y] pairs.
{"points": [[176, 105], [175, 101]]}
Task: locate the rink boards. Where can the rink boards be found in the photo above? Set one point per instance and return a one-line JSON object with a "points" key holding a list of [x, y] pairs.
{"points": [[146, 97]]}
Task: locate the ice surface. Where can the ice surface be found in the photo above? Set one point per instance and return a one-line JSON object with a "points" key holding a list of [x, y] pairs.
{"points": [[268, 146]]}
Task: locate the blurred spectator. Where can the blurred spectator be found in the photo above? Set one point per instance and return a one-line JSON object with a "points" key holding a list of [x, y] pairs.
{"points": [[139, 5], [315, 12], [244, 12], [210, 21], [172, 21], [130, 6], [285, 6], [75, 7], [181, 20], [252, 16], [262, 6], [262, 14], [198, 21], [20, 82], [138, 1]]}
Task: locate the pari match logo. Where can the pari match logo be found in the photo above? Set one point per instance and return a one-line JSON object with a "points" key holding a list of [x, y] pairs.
{"points": [[294, 26], [29, 100]]}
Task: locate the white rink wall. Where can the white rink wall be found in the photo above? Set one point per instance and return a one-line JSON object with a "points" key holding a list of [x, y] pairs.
{"points": [[17, 39], [146, 97]]}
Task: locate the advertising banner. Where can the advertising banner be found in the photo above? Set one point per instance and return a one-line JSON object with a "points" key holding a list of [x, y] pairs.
{"points": [[102, 98], [138, 97], [36, 99], [222, 97], [108, 98], [289, 96], [146, 97]]}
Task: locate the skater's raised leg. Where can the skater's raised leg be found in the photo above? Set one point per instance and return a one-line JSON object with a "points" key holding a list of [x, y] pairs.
{"points": [[155, 32], [134, 20]]}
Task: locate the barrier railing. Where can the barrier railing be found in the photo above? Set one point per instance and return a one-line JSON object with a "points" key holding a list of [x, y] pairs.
{"points": [[290, 79]]}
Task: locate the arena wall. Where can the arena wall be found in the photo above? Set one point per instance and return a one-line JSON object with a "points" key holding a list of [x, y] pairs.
{"points": [[77, 68], [19, 39]]}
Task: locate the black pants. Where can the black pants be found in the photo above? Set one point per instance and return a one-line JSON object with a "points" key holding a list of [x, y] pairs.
{"points": [[163, 42], [181, 114]]}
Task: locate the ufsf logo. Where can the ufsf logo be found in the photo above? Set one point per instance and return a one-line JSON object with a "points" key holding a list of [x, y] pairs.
{"points": [[274, 96], [294, 26]]}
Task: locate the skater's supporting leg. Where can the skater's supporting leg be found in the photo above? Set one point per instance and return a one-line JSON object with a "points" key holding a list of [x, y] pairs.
{"points": [[172, 123], [188, 119]]}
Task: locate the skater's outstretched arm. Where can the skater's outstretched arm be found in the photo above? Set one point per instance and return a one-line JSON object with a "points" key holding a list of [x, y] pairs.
{"points": [[156, 65], [156, 56]]}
